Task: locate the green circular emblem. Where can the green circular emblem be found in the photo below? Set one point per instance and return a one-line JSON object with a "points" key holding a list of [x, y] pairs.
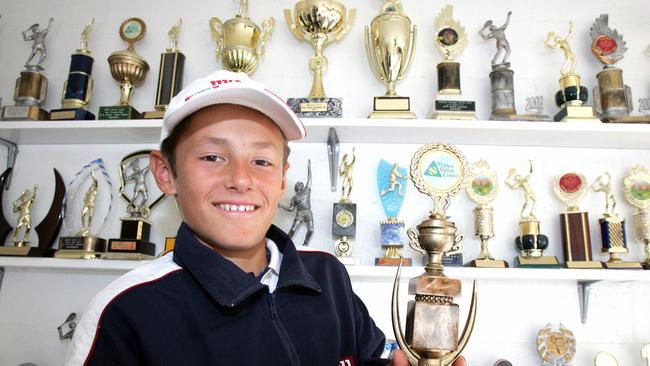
{"points": [[344, 218], [482, 186], [641, 190]]}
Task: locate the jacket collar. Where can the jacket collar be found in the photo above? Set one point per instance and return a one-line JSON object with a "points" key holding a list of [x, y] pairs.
{"points": [[226, 282]]}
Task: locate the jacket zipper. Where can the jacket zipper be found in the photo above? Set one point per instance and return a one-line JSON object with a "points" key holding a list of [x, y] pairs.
{"points": [[282, 332]]}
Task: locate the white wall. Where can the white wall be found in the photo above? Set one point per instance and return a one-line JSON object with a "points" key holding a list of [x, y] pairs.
{"points": [[33, 303]]}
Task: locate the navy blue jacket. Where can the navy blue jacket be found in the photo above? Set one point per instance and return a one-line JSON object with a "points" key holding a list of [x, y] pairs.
{"points": [[197, 308]]}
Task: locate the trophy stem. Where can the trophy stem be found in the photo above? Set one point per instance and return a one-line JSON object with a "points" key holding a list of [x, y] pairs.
{"points": [[485, 253], [318, 65], [126, 90]]}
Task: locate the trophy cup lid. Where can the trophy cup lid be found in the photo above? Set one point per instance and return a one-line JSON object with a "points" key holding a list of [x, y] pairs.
{"points": [[608, 46], [132, 30], [636, 187], [450, 36], [482, 183], [571, 188]]}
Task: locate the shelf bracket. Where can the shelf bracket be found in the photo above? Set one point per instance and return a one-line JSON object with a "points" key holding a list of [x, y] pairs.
{"points": [[584, 292], [333, 155], [12, 152], [2, 274]]}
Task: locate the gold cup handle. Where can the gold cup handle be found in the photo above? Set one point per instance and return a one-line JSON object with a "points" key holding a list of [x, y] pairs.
{"points": [[457, 247], [267, 30], [216, 30], [352, 15], [291, 22], [414, 241]]}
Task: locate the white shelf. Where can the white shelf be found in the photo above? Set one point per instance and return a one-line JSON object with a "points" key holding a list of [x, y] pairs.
{"points": [[359, 130], [70, 265]]}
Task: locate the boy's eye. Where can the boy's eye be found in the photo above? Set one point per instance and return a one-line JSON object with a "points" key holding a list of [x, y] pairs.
{"points": [[212, 158], [261, 162]]}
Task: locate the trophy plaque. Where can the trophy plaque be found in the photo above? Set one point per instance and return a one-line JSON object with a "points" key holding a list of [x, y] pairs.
{"points": [[318, 22], [451, 40], [390, 44], [31, 87], [46, 231], [81, 217], [612, 98], [170, 74], [133, 242], [344, 214], [571, 188], [636, 190], [77, 90], [556, 345], [301, 203], [605, 359], [612, 227], [431, 337], [531, 243], [240, 42], [482, 188], [391, 185], [572, 96], [129, 69]]}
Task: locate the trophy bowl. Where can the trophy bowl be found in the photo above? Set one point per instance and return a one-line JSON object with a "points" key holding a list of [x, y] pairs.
{"points": [[129, 69], [240, 42], [319, 17]]}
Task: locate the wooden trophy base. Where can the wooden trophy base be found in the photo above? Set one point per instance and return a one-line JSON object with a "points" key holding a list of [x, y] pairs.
{"points": [[488, 263], [584, 265], [394, 262], [623, 265], [537, 262]]}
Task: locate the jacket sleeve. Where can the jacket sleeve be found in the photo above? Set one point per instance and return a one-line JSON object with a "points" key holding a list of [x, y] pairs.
{"points": [[370, 339]]}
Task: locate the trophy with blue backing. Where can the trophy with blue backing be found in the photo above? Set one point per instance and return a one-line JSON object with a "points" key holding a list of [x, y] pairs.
{"points": [[391, 185], [77, 90]]}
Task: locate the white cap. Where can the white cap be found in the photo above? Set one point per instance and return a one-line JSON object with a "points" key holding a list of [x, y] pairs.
{"points": [[226, 87]]}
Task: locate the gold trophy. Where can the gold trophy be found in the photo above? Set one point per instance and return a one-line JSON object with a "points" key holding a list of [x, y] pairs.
{"points": [[636, 190], [129, 69], [450, 40], [572, 96], [344, 214], [390, 44], [318, 22], [556, 345], [482, 188], [240, 42], [612, 98], [612, 227], [431, 339]]}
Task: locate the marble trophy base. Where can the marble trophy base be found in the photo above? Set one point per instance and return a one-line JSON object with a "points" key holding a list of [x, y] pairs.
{"points": [[349, 261], [118, 112], [537, 262], [575, 113], [520, 117], [317, 107], [71, 114], [392, 107], [393, 262], [24, 113], [454, 107], [626, 119], [153, 115], [488, 263], [79, 247]]}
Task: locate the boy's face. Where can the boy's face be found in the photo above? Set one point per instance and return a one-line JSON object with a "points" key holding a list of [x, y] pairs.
{"points": [[230, 176]]}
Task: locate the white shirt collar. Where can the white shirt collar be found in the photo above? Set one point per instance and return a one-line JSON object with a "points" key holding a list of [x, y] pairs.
{"points": [[271, 276]]}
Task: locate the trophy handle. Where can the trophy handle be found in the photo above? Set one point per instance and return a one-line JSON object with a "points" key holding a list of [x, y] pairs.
{"points": [[89, 90], [414, 243], [467, 332], [216, 29], [371, 60], [65, 86], [457, 247], [267, 31], [352, 15], [291, 22], [397, 324], [409, 57]]}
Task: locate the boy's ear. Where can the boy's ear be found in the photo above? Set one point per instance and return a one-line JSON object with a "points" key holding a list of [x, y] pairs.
{"points": [[162, 172]]}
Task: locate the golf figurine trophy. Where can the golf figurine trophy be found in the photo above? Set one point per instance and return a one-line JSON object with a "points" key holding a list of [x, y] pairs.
{"points": [[344, 214], [391, 185], [636, 190]]}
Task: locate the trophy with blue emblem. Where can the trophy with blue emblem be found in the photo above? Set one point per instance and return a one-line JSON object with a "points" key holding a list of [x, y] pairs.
{"points": [[391, 185], [77, 90]]}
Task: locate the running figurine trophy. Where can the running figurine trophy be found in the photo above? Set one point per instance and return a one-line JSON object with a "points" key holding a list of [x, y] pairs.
{"points": [[170, 75], [572, 96], [344, 214], [301, 203], [31, 87], [87, 218], [390, 44], [531, 242], [129, 69], [612, 98], [482, 188], [319, 22], [636, 190], [78, 89], [571, 188], [133, 242], [451, 40], [391, 185], [612, 227], [431, 337], [240, 42]]}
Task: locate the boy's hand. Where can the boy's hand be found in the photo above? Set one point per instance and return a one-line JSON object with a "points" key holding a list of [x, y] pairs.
{"points": [[400, 359]]}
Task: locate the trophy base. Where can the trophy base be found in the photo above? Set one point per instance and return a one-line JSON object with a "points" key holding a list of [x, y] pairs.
{"points": [[627, 119], [520, 117], [24, 113], [575, 113], [623, 265], [645, 265], [127, 256], [392, 107], [153, 115], [406, 262], [488, 263], [71, 114], [78, 254], [316, 107], [88, 247], [454, 109], [584, 265], [537, 262], [349, 261], [26, 251], [130, 249], [118, 112]]}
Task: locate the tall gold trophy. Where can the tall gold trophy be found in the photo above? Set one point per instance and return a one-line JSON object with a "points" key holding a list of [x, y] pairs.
{"points": [[240, 42], [636, 190], [129, 69], [431, 339], [390, 44], [319, 22]]}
